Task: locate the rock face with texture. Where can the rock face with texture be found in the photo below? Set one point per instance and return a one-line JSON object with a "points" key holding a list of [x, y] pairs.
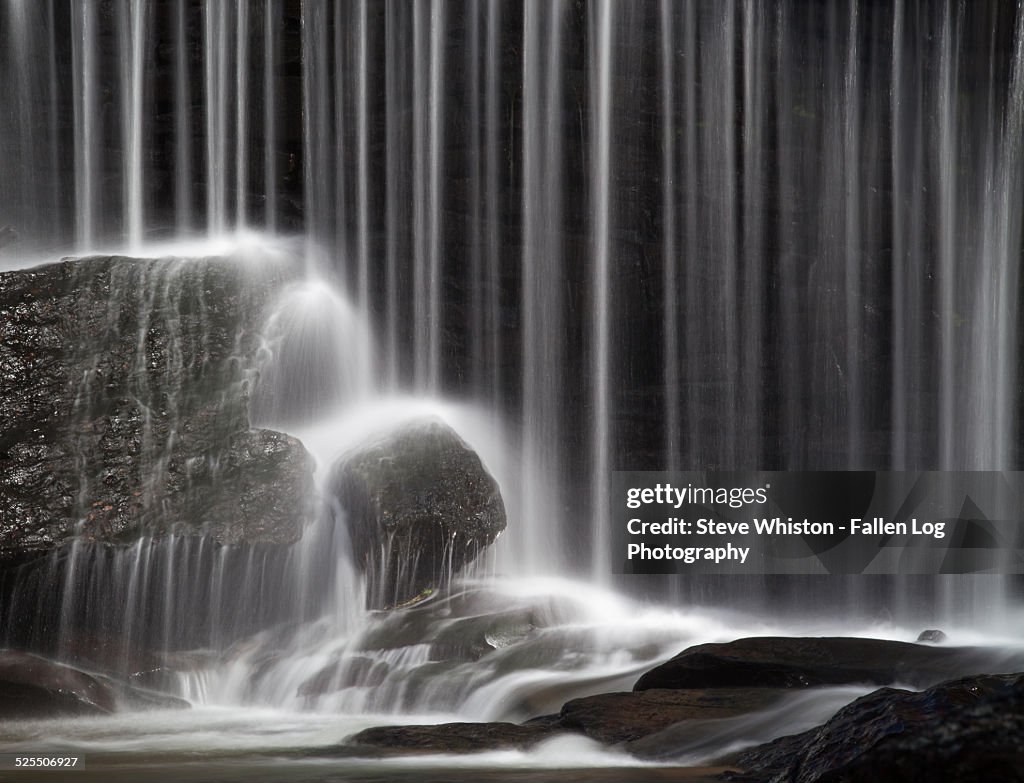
{"points": [[123, 407], [964, 730], [34, 687], [961, 730], [421, 506], [624, 717], [801, 662]]}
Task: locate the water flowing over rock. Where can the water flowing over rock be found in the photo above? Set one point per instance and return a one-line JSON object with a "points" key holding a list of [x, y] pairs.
{"points": [[421, 506], [123, 410]]}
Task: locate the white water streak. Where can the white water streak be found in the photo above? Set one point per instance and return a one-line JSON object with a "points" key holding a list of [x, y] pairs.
{"points": [[601, 187]]}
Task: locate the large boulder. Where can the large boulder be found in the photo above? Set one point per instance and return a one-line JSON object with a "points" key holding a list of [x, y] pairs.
{"points": [[36, 687], [612, 718], [33, 687], [801, 662], [964, 730], [123, 406], [421, 505]]}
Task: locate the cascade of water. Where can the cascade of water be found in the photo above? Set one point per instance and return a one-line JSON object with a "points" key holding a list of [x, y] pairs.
{"points": [[492, 285], [853, 163], [183, 171], [694, 419], [670, 273], [900, 402], [394, 54], [434, 194], [421, 199], [168, 590], [132, 25], [823, 180], [14, 16], [242, 68], [315, 51], [31, 203], [717, 155], [753, 295], [474, 95], [948, 220], [317, 357], [993, 337], [363, 152], [542, 277], [1002, 329], [602, 20], [317, 126], [270, 95], [215, 60], [86, 115]]}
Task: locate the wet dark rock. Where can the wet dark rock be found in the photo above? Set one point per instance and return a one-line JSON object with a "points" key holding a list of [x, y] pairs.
{"points": [[985, 712], [965, 730], [383, 741], [270, 476], [609, 718], [932, 635], [422, 506], [33, 687], [124, 404], [623, 717], [802, 662]]}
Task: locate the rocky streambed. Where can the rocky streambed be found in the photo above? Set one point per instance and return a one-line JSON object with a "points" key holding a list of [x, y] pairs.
{"points": [[960, 725]]}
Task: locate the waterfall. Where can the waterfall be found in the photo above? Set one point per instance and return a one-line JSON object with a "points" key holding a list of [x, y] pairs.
{"points": [[183, 170], [733, 235], [542, 273], [601, 186], [85, 118]]}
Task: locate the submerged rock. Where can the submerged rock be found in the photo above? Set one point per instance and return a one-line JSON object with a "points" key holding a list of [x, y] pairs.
{"points": [[965, 730], [383, 741], [421, 506], [801, 662], [123, 407]]}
